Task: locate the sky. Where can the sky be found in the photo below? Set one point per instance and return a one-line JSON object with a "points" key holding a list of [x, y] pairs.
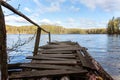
{"points": [[67, 13]]}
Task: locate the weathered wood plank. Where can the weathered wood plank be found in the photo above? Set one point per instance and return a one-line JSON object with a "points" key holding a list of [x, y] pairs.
{"points": [[86, 61], [63, 49], [54, 52], [54, 46], [48, 66], [58, 43], [85, 52], [14, 66], [82, 59], [64, 42], [56, 56], [89, 59], [48, 58], [39, 74], [37, 41], [56, 62]]}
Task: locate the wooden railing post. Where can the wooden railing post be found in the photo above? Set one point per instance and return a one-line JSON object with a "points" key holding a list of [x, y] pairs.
{"points": [[49, 37], [3, 52], [37, 41]]}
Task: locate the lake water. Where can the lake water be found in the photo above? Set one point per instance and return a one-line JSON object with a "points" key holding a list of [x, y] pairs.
{"points": [[105, 49]]}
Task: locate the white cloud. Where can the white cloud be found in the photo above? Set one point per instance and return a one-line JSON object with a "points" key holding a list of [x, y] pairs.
{"points": [[55, 4], [107, 5], [58, 22], [37, 2], [73, 8], [58, 1], [53, 7], [27, 9], [84, 23], [70, 20], [47, 21], [91, 23], [15, 19]]}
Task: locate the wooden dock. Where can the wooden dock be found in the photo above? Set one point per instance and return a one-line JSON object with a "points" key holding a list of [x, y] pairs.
{"points": [[56, 60]]}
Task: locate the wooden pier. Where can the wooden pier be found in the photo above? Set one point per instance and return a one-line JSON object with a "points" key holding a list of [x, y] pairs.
{"points": [[59, 59], [54, 61]]}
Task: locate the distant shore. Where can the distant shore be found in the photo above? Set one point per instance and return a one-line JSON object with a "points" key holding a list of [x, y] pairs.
{"points": [[53, 29]]}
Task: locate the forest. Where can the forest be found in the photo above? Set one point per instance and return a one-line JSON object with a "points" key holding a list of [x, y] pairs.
{"points": [[54, 29]]}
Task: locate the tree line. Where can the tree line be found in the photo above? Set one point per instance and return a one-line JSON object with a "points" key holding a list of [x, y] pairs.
{"points": [[54, 29]]}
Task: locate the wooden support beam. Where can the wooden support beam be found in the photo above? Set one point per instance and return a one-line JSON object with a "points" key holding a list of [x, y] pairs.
{"points": [[49, 37], [3, 52], [37, 41]]}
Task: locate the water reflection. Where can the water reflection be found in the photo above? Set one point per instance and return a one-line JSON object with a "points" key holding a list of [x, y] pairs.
{"points": [[113, 57]]}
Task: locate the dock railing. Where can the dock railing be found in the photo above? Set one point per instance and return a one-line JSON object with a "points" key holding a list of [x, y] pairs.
{"points": [[39, 29], [38, 34]]}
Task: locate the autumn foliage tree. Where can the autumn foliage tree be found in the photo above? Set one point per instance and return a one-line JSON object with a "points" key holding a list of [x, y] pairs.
{"points": [[113, 26]]}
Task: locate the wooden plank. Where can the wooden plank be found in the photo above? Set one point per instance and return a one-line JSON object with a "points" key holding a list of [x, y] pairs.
{"points": [[91, 65], [64, 42], [39, 74], [85, 52], [56, 56], [56, 62], [83, 60], [60, 42], [48, 58], [86, 61], [63, 49], [54, 46], [14, 66], [14, 71], [67, 57], [89, 59], [54, 52], [48, 66]]}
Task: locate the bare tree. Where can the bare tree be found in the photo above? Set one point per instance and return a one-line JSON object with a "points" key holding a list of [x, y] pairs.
{"points": [[19, 43]]}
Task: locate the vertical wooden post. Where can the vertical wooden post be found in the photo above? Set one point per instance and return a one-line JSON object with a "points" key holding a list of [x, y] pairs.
{"points": [[3, 52], [37, 41], [49, 37]]}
